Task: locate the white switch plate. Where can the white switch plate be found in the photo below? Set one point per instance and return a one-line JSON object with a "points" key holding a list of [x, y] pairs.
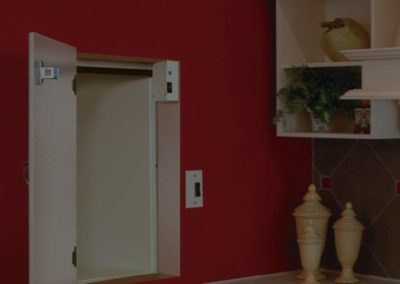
{"points": [[166, 80], [194, 189]]}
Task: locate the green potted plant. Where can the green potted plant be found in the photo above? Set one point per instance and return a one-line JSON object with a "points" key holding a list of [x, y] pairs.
{"points": [[317, 91]]}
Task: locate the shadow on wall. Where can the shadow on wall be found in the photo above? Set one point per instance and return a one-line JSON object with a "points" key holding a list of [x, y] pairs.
{"points": [[366, 173]]}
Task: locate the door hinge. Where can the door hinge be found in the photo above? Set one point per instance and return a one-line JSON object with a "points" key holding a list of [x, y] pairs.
{"points": [[74, 85], [74, 256], [25, 172], [44, 73]]}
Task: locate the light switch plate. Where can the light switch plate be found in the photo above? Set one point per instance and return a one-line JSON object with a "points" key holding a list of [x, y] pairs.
{"points": [[166, 80], [194, 189]]}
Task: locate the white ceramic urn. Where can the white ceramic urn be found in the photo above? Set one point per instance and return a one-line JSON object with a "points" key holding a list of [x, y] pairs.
{"points": [[310, 247], [312, 210], [348, 233]]}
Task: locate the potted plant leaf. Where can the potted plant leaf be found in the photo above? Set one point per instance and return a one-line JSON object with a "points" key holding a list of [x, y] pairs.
{"points": [[317, 91]]}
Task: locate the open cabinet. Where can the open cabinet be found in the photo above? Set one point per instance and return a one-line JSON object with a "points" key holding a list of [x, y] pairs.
{"points": [[104, 158]]}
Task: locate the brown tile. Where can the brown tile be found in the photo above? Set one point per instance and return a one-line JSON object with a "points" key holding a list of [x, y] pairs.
{"points": [[389, 151], [383, 238], [367, 173], [364, 181], [329, 259], [368, 264], [316, 179], [328, 153], [293, 255]]}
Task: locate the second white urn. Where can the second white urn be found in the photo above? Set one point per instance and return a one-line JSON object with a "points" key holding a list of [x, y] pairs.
{"points": [[312, 210], [348, 233]]}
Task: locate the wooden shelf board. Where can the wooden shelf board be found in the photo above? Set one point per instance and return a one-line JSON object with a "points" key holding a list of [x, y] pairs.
{"points": [[326, 64], [373, 53], [325, 135], [362, 94]]}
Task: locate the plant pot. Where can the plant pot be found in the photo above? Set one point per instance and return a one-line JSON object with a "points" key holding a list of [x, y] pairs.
{"points": [[318, 125]]}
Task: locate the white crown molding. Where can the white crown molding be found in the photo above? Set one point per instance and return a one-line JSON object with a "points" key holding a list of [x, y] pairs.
{"points": [[365, 94], [372, 53]]}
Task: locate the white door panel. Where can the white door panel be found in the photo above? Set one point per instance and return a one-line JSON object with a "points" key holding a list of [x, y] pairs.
{"points": [[52, 157]]}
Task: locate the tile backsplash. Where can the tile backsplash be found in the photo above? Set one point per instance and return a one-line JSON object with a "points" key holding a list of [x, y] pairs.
{"points": [[366, 173]]}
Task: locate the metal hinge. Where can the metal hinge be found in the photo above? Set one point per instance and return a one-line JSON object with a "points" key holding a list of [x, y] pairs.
{"points": [[43, 73], [74, 85], [74, 256], [25, 172]]}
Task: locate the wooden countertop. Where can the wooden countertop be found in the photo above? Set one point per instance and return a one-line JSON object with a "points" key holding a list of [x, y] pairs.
{"points": [[289, 278]]}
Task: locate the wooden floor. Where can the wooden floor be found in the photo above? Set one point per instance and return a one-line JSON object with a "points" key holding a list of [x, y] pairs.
{"points": [[135, 279]]}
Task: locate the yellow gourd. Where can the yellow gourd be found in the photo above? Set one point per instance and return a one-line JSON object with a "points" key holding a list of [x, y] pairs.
{"points": [[342, 34]]}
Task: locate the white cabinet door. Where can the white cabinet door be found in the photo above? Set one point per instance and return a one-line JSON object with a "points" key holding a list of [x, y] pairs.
{"points": [[52, 157]]}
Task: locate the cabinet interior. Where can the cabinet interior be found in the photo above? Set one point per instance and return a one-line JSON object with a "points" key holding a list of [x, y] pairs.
{"points": [[116, 224]]}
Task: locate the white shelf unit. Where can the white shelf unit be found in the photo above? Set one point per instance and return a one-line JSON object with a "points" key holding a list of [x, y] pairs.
{"points": [[298, 33], [381, 67]]}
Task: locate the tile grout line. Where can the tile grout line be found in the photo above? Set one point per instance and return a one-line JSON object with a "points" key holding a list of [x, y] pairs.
{"points": [[383, 163], [345, 156], [337, 201], [389, 201], [381, 212], [377, 260], [313, 166]]}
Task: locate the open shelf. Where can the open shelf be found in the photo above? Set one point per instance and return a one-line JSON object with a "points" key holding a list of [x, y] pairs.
{"points": [[298, 34]]}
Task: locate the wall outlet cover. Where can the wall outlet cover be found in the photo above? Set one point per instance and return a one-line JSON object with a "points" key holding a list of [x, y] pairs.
{"points": [[194, 189]]}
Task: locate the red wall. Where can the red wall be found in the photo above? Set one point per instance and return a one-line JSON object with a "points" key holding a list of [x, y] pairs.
{"points": [[252, 180]]}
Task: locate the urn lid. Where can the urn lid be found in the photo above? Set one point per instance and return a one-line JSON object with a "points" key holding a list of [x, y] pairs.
{"points": [[348, 222], [311, 207], [309, 235]]}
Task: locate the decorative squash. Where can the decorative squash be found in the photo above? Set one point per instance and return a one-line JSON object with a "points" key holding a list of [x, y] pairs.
{"points": [[342, 34]]}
